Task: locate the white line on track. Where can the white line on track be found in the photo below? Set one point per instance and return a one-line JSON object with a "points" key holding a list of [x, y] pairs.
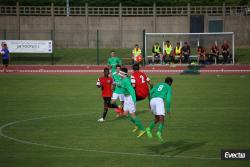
{"points": [[87, 150]]}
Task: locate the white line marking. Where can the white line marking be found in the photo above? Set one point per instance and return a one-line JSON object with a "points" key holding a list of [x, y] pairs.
{"points": [[87, 150]]}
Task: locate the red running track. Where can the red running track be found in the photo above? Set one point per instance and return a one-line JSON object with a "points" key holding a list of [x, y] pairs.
{"points": [[88, 69]]}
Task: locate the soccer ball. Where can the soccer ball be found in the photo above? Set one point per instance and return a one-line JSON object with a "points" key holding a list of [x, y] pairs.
{"points": [[138, 58]]}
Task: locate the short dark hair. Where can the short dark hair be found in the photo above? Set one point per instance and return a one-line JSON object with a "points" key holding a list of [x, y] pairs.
{"points": [[136, 67], [106, 70], [118, 65], [169, 80], [124, 69]]}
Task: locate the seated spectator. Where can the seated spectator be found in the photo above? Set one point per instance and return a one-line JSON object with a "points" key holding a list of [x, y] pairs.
{"points": [[225, 52], [215, 52], [178, 52], [168, 55], [186, 52], [157, 56], [201, 53]]}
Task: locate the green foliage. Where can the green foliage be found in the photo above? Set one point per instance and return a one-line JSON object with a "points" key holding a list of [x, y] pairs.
{"points": [[125, 2]]}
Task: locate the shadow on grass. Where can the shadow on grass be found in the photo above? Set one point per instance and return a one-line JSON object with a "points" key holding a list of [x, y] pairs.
{"points": [[192, 69], [174, 148], [125, 117]]}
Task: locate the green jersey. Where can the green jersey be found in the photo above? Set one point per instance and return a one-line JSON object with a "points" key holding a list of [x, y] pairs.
{"points": [[117, 81], [113, 61], [127, 88], [164, 91]]}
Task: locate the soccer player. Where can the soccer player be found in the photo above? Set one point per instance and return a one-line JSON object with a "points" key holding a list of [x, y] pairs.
{"points": [[113, 61], [5, 56], [130, 101], [105, 83], [159, 93], [117, 94], [140, 82]]}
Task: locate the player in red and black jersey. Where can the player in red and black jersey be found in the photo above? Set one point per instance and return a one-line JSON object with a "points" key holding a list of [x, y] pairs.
{"points": [[140, 82], [105, 83]]}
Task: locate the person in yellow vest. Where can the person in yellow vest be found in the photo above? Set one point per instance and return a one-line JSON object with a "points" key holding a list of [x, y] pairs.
{"points": [[168, 55], [178, 52], [157, 56], [136, 55]]}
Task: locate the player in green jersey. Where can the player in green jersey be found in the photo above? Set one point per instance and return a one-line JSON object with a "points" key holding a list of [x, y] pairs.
{"points": [[113, 61], [159, 93], [130, 100], [117, 93]]}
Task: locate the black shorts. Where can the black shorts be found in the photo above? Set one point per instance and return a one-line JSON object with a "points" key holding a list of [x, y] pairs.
{"points": [[140, 98], [107, 101], [5, 61]]}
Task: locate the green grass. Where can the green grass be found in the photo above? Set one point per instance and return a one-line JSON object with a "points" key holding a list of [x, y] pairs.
{"points": [[88, 56], [210, 113]]}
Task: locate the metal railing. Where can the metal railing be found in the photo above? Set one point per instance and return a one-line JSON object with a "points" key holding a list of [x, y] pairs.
{"points": [[127, 11]]}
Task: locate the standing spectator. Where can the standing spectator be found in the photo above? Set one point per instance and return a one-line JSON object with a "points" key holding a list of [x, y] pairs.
{"points": [[5, 56], [215, 52], [186, 52], [157, 56], [113, 61], [225, 52], [136, 54], [168, 56], [201, 53], [178, 52]]}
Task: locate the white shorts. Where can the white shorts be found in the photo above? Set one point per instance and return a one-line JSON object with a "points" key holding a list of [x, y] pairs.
{"points": [[115, 96], [157, 106], [129, 105]]}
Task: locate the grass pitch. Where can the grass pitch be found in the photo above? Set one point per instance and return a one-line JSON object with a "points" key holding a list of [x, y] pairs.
{"points": [[51, 121]]}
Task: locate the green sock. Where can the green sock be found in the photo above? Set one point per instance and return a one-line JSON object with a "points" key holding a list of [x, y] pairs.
{"points": [[131, 119], [151, 125], [160, 127], [139, 124]]}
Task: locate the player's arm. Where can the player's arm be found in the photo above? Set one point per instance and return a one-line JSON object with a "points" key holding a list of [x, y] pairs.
{"points": [[151, 92], [119, 61], [109, 63], [168, 99], [98, 83], [133, 81]]}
